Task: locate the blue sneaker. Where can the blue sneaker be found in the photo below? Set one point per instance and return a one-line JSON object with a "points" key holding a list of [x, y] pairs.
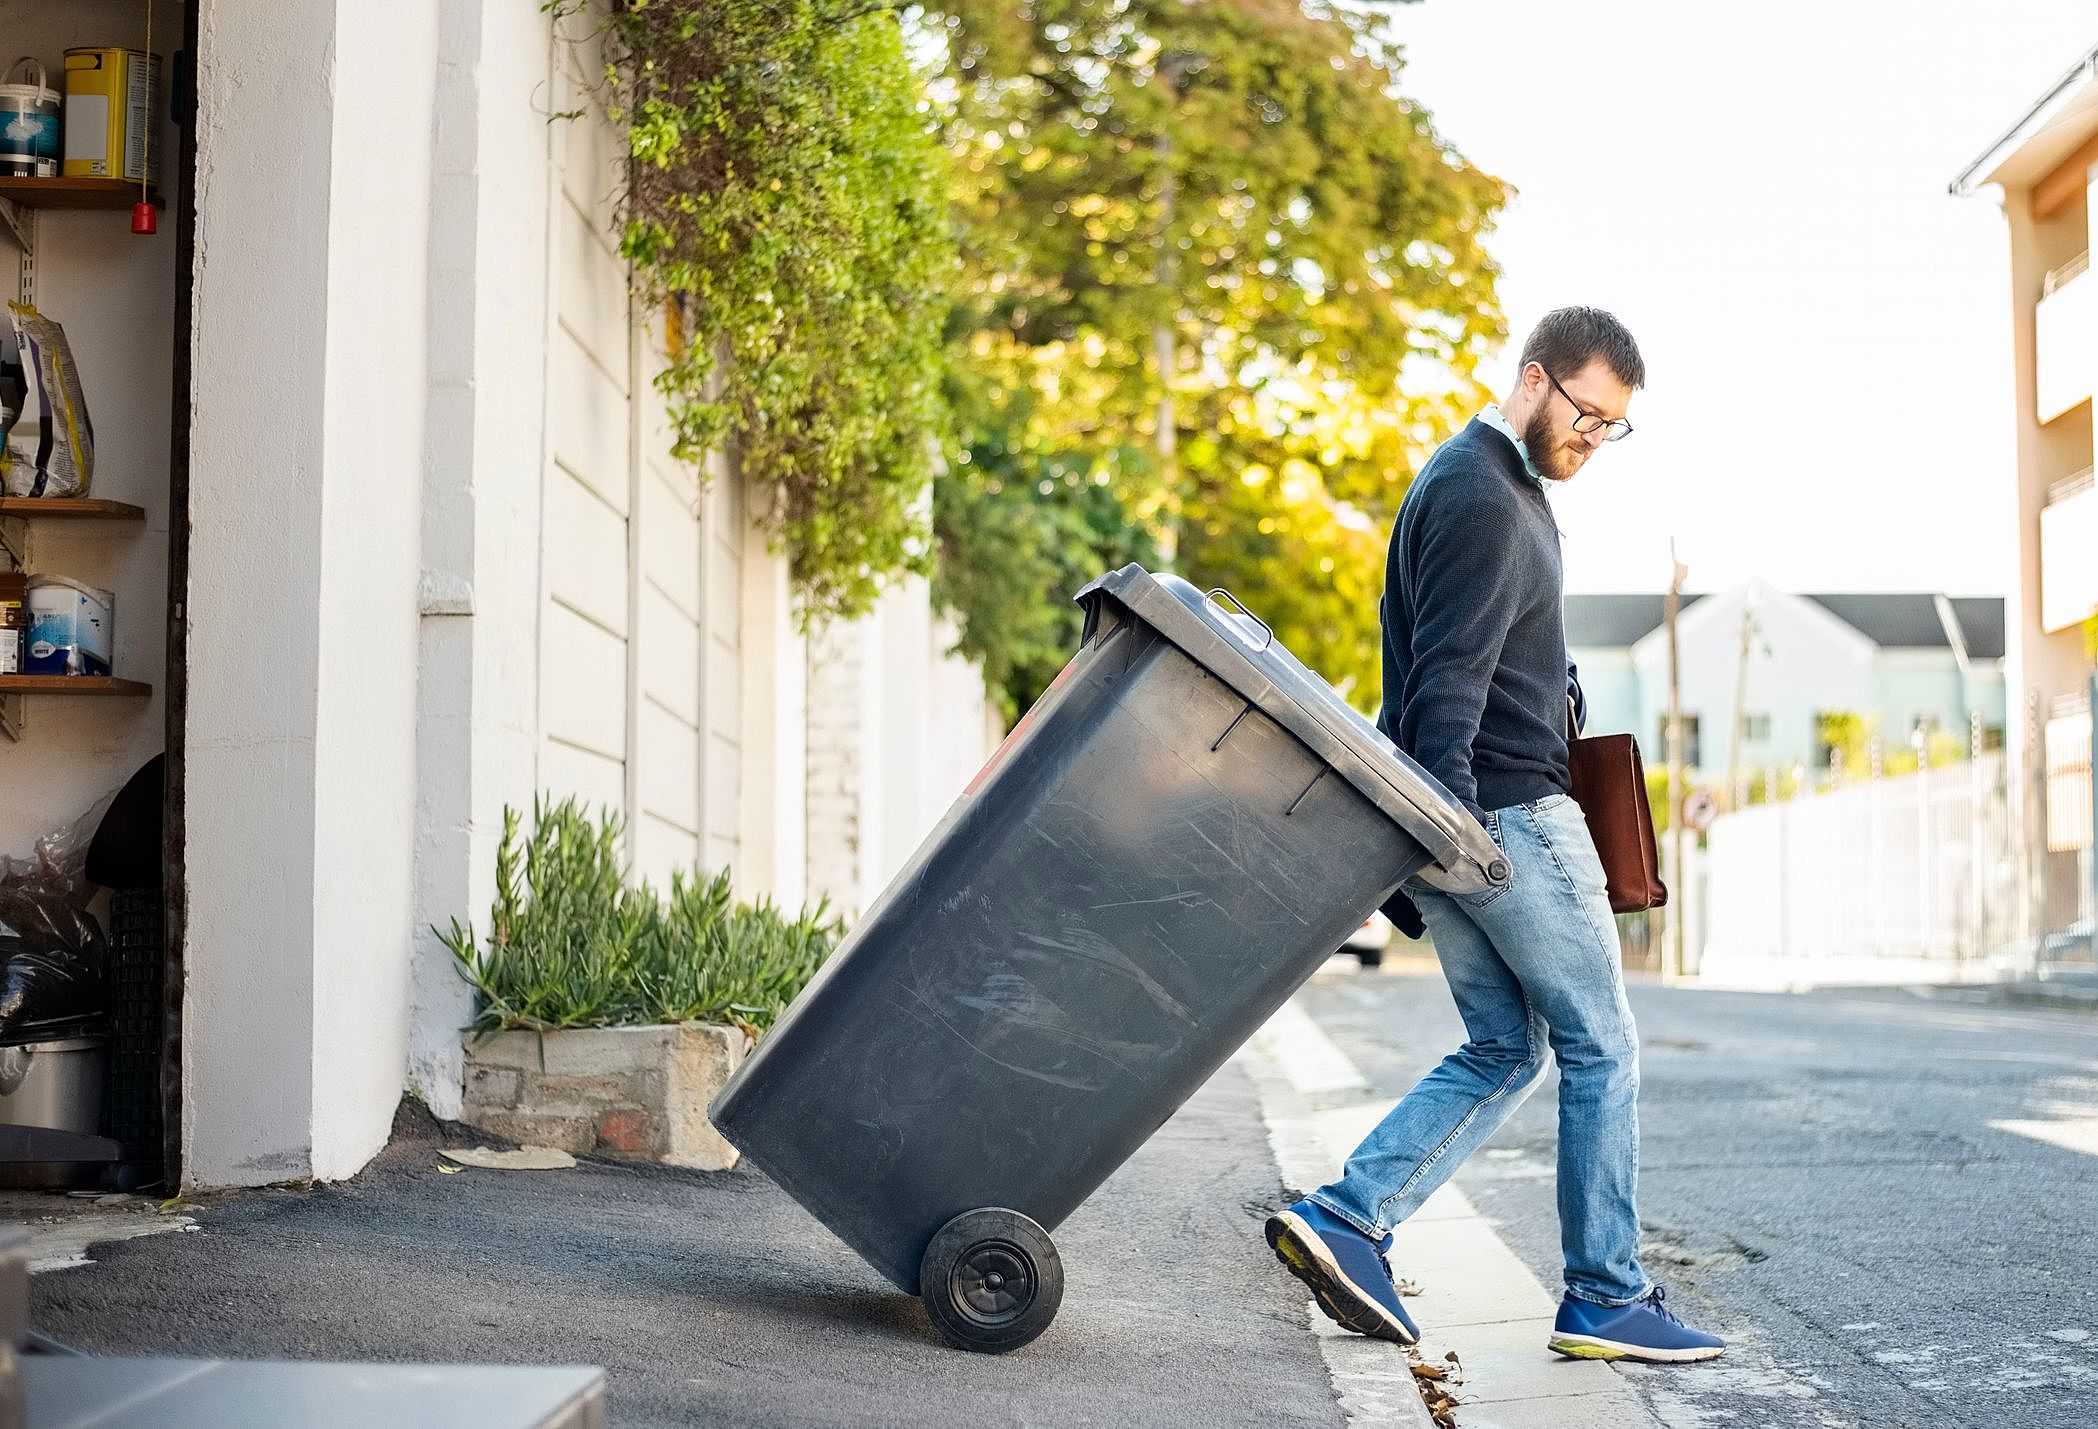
{"points": [[1345, 1269], [1645, 1330]]}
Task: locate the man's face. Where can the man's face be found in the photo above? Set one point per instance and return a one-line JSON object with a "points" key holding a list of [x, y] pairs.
{"points": [[1595, 391]]}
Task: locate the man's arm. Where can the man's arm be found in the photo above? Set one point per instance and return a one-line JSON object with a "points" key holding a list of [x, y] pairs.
{"points": [[1577, 702], [1465, 583]]}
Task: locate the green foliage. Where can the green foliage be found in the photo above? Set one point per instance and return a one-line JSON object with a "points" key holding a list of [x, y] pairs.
{"points": [[1850, 737], [1775, 786], [1313, 564], [1019, 532], [786, 194], [1657, 800], [572, 944], [1242, 184]]}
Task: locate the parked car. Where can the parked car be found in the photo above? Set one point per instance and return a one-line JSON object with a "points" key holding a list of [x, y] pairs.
{"points": [[1369, 941]]}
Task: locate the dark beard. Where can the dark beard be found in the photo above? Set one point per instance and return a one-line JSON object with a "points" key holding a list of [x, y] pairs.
{"points": [[1538, 441]]}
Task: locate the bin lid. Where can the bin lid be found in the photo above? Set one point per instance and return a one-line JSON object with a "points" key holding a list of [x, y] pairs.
{"points": [[1242, 652]]}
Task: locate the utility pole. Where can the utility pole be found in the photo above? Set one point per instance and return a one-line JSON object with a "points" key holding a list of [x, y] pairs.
{"points": [[1740, 722], [1165, 346], [1177, 68], [1672, 963]]}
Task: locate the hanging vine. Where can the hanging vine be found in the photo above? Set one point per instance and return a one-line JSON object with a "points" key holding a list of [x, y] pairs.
{"points": [[788, 198]]}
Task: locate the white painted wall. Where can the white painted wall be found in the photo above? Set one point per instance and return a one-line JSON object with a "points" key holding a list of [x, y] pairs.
{"points": [[669, 789], [255, 507], [774, 854], [670, 668], [376, 366], [584, 627], [843, 719], [897, 725], [721, 675], [114, 293], [1610, 685], [443, 561], [307, 457], [1805, 661], [477, 716], [588, 469], [1897, 880], [1918, 685]]}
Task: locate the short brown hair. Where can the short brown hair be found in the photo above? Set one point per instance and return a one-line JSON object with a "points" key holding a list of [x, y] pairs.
{"points": [[1566, 340]]}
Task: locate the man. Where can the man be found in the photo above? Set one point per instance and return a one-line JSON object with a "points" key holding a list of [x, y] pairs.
{"points": [[1477, 688]]}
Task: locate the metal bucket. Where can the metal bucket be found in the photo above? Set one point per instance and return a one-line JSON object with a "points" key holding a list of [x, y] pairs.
{"points": [[55, 1084]]}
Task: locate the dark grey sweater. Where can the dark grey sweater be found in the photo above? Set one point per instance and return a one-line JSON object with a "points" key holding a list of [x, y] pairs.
{"points": [[1476, 677]]}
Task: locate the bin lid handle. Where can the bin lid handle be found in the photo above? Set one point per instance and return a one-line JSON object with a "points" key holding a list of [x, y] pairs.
{"points": [[1265, 629]]}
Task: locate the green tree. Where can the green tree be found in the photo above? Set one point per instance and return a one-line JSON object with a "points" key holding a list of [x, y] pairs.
{"points": [[1849, 737], [1020, 533], [1213, 258], [787, 194]]}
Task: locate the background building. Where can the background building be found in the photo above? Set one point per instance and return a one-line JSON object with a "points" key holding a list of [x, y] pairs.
{"points": [[2044, 168], [1903, 661]]}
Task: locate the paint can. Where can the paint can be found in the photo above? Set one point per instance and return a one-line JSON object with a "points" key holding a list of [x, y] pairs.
{"points": [[28, 122], [112, 100]]}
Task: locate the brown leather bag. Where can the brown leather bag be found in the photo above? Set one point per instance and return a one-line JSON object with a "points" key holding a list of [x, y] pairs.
{"points": [[1609, 783]]}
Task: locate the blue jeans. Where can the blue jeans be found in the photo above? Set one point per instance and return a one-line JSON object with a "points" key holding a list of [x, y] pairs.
{"points": [[1532, 964]]}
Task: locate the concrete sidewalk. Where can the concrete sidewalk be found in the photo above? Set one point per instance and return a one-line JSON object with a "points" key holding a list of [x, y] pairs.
{"points": [[1476, 1298]]}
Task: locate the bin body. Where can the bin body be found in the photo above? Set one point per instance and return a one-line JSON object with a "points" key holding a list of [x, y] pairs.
{"points": [[1142, 874]]}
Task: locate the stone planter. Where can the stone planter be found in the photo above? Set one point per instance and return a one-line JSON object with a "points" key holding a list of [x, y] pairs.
{"points": [[623, 1091]]}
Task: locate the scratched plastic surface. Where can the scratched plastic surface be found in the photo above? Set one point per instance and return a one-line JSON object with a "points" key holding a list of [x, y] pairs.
{"points": [[1143, 873]]}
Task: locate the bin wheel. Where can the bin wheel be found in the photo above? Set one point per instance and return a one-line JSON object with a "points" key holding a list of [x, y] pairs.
{"points": [[991, 1280]]}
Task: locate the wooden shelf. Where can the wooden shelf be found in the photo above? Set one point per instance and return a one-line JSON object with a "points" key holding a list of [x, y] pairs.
{"points": [[113, 194], [71, 685], [69, 508]]}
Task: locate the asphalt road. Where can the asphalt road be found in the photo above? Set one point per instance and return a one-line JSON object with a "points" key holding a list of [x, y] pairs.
{"points": [[713, 1299], [1885, 1200]]}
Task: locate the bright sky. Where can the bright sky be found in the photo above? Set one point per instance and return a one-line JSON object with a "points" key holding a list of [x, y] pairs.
{"points": [[1759, 191]]}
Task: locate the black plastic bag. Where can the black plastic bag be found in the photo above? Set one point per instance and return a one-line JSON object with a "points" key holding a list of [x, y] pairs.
{"points": [[54, 958]]}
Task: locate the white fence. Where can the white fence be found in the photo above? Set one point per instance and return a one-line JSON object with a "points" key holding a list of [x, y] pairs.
{"points": [[1913, 878]]}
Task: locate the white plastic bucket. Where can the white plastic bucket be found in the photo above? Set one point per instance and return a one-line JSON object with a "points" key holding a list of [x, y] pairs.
{"points": [[29, 109], [71, 627]]}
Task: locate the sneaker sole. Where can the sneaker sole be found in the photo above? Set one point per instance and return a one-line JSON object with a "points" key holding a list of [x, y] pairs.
{"points": [[1305, 1256], [1587, 1347]]}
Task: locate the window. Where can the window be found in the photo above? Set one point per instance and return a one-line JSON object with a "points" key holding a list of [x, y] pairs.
{"points": [[1755, 729], [1692, 746]]}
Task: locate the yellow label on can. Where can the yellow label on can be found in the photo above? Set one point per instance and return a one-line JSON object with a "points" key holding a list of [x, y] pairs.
{"points": [[112, 116]]}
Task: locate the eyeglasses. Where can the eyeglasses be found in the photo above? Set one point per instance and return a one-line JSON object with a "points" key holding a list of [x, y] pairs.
{"points": [[1586, 421]]}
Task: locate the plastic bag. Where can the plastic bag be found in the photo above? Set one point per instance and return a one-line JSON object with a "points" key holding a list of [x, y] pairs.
{"points": [[51, 445], [54, 958]]}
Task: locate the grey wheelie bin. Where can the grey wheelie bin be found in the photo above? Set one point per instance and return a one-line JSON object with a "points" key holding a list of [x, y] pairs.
{"points": [[1181, 830]]}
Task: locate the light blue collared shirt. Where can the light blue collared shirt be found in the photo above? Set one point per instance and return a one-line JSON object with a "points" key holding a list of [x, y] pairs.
{"points": [[1492, 417]]}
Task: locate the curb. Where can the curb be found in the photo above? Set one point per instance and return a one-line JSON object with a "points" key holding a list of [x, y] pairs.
{"points": [[1476, 1296], [1373, 1380], [2072, 999]]}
